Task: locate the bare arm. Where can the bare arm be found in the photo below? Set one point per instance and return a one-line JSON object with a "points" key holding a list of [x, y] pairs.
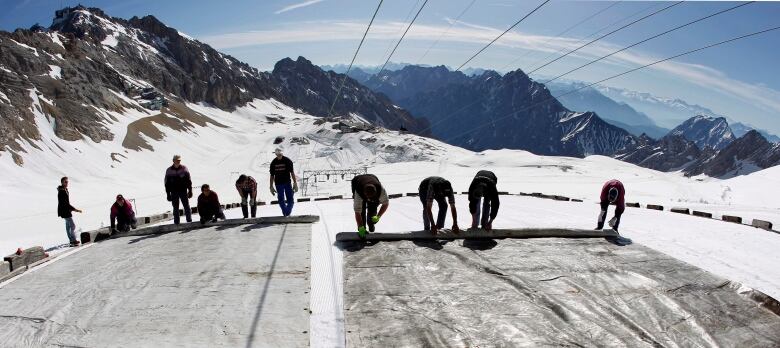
{"points": [[383, 209], [359, 219]]}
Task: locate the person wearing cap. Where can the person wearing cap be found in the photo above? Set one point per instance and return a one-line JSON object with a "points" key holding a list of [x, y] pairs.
{"points": [[178, 187], [367, 195], [438, 189], [247, 189], [612, 193], [483, 192], [209, 208], [122, 215], [281, 176]]}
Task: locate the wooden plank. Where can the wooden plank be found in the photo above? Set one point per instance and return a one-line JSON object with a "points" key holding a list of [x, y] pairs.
{"points": [[480, 233]]}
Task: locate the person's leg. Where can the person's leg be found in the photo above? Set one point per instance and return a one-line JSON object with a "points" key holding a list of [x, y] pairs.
{"points": [[280, 197], [245, 204], [442, 218], [185, 201], [122, 224], [364, 213], [175, 202], [253, 204], [289, 199], [486, 210], [70, 229], [133, 222], [426, 222], [476, 212], [371, 212], [602, 215], [618, 214]]}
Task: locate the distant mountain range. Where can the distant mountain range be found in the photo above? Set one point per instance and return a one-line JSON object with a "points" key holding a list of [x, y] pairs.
{"points": [[704, 145], [491, 111], [454, 103], [617, 113]]}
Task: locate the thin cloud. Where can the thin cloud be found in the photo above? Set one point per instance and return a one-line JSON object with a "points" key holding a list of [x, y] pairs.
{"points": [[297, 6], [322, 31]]}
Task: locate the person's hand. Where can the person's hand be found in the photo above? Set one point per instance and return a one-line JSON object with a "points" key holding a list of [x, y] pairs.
{"points": [[168, 196], [362, 232], [189, 194], [375, 219], [455, 228], [273, 190], [295, 187]]}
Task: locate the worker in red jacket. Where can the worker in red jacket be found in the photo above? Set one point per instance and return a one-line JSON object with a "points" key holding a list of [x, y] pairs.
{"points": [[613, 192], [208, 205], [122, 215]]}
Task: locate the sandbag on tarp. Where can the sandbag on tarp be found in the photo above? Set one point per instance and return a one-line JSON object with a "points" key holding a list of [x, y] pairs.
{"points": [[221, 286], [541, 292]]}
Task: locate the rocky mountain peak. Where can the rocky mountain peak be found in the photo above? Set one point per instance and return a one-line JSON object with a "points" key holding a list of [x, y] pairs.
{"points": [[706, 131]]}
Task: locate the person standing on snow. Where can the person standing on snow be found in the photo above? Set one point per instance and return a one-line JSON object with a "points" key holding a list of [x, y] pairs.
{"points": [[437, 188], [122, 215], [367, 195], [65, 210], [281, 174], [247, 189], [612, 193], [483, 192], [178, 187], [208, 205]]}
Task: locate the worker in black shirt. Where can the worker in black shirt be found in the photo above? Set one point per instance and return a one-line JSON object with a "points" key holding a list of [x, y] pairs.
{"points": [[281, 175], [483, 188], [437, 188], [367, 195]]}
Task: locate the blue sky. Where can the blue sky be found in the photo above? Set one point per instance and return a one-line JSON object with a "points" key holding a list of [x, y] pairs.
{"points": [[740, 80]]}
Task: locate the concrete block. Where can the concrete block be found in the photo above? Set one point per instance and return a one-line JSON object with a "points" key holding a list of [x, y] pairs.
{"points": [[497, 233], [95, 235], [536, 194], [412, 194], [395, 195], [261, 203], [319, 199], [632, 205], [655, 207], [561, 198], [5, 268], [464, 193], [524, 194], [194, 210], [502, 193], [25, 257], [701, 214], [680, 210], [762, 224], [304, 199], [145, 220], [546, 196], [730, 218], [181, 212], [336, 197], [576, 200], [277, 202]]}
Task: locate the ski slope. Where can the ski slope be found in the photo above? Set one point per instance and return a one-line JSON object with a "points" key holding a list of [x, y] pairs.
{"points": [[217, 155]]}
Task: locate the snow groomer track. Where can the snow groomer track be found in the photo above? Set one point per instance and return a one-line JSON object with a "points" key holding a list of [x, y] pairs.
{"points": [[226, 285]]}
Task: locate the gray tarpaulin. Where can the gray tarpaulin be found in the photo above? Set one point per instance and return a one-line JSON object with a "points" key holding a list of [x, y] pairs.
{"points": [[234, 286], [550, 292]]}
